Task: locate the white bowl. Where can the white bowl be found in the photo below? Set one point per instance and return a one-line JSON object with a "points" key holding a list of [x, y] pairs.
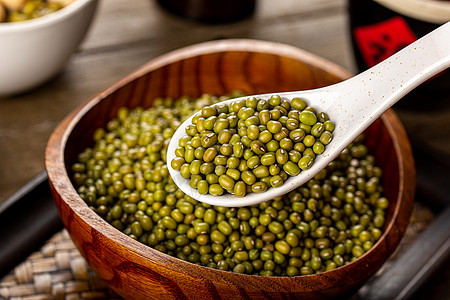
{"points": [[437, 12], [34, 51]]}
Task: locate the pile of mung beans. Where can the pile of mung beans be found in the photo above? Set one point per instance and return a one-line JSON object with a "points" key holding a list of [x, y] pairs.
{"points": [[250, 145], [21, 10], [328, 222]]}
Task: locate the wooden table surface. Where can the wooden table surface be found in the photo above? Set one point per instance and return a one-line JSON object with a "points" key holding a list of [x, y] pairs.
{"points": [[126, 34]]}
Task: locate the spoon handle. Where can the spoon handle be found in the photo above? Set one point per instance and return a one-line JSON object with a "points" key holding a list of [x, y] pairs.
{"points": [[411, 66], [380, 87]]}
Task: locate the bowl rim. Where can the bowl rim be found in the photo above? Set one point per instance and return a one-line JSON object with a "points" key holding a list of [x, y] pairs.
{"points": [[437, 12], [46, 20], [60, 182]]}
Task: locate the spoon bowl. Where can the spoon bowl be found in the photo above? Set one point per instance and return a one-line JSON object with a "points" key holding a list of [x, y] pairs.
{"points": [[352, 105]]}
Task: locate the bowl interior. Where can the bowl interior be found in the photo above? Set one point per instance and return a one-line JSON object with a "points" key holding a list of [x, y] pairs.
{"points": [[218, 68]]}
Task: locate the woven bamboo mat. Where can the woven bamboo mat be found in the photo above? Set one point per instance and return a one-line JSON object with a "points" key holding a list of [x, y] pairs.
{"points": [[58, 271]]}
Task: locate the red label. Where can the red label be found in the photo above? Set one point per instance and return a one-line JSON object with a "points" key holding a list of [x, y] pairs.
{"points": [[377, 42]]}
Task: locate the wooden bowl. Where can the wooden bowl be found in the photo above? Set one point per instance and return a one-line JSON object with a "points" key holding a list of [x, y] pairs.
{"points": [[136, 271]]}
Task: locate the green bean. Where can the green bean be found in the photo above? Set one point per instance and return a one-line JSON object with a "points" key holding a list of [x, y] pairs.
{"points": [[259, 187], [234, 174], [291, 168], [216, 189], [298, 103], [276, 181], [261, 171], [305, 162], [308, 117], [248, 177], [240, 189], [226, 182]]}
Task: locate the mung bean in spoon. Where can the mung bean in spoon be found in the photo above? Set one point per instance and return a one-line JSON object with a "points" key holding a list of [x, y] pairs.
{"points": [[351, 105]]}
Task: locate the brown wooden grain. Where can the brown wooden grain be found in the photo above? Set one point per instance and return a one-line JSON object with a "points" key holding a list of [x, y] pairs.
{"points": [[136, 271]]}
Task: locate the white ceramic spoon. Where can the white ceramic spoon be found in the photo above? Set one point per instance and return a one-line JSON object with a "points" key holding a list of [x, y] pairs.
{"points": [[352, 105]]}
